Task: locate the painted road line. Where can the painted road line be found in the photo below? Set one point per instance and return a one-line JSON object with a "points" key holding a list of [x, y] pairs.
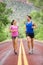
{"points": [[20, 56], [3, 52], [24, 55], [5, 57]]}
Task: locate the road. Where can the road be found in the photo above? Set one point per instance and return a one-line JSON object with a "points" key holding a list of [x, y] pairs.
{"points": [[7, 56]]}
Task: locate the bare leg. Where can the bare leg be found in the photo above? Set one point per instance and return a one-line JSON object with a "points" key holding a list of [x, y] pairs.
{"points": [[15, 45], [32, 43], [29, 42], [16, 40]]}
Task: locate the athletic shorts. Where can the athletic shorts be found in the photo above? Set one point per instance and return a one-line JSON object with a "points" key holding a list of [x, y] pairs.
{"points": [[14, 37], [31, 35]]}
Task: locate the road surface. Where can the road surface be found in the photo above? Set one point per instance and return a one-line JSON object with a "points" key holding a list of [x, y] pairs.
{"points": [[7, 56]]}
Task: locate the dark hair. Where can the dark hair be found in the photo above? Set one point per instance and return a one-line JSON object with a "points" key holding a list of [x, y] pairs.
{"points": [[12, 22], [29, 16]]}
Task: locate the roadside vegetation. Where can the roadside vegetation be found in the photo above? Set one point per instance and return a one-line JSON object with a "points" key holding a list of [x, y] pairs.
{"points": [[17, 10]]}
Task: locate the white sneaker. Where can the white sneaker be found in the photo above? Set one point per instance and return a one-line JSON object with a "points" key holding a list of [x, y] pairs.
{"points": [[31, 51]]}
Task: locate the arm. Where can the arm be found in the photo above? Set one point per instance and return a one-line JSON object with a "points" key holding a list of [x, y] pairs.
{"points": [[34, 26], [13, 30]]}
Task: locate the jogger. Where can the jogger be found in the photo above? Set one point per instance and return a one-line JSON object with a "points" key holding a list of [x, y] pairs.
{"points": [[14, 35], [30, 33]]}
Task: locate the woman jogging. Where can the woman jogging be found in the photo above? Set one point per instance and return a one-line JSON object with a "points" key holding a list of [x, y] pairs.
{"points": [[30, 33], [14, 34]]}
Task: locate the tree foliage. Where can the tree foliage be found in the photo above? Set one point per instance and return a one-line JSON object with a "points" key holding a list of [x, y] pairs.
{"points": [[4, 20], [4, 14], [37, 16], [38, 3]]}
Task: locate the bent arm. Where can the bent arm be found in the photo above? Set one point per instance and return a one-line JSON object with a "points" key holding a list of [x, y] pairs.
{"points": [[13, 30], [34, 26]]}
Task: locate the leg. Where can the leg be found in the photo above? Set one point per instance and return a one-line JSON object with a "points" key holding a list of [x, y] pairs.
{"points": [[13, 40], [15, 45], [29, 42], [16, 40], [32, 43]]}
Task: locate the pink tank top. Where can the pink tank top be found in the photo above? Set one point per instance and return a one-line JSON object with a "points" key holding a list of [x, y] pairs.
{"points": [[15, 33]]}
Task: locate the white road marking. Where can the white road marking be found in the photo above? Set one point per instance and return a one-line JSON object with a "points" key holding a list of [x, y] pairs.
{"points": [[5, 57]]}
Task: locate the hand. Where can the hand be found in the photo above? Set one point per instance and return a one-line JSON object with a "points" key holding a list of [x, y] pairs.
{"points": [[34, 26]]}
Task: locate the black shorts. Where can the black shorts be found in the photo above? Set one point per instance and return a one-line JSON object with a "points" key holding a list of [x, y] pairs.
{"points": [[31, 35], [14, 37]]}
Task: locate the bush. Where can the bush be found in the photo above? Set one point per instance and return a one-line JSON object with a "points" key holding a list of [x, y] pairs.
{"points": [[4, 20], [3, 36], [37, 17]]}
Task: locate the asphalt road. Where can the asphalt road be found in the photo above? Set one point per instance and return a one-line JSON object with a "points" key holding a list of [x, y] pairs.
{"points": [[7, 56]]}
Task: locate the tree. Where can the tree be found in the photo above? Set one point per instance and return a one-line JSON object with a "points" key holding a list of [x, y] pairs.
{"points": [[4, 20], [37, 16], [37, 3], [4, 14]]}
